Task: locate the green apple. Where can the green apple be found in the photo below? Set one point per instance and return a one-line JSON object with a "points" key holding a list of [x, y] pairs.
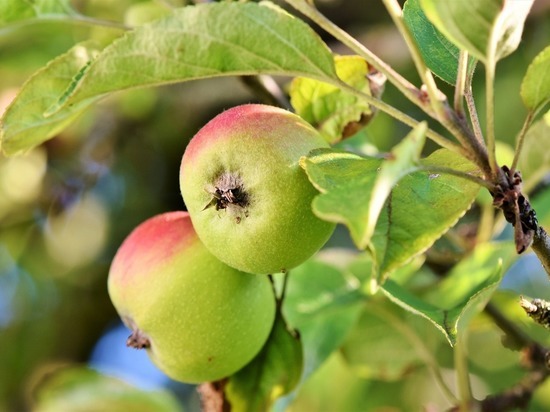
{"points": [[199, 319], [248, 197]]}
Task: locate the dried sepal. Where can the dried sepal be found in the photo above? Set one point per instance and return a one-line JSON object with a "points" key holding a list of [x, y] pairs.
{"points": [[228, 193]]}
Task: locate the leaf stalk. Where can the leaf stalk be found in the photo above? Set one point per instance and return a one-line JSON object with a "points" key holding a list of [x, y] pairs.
{"points": [[460, 86], [462, 375], [490, 126], [472, 111], [521, 139], [458, 173], [436, 98], [419, 346], [451, 120]]}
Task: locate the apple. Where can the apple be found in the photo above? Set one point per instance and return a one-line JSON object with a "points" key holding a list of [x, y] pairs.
{"points": [[199, 319], [248, 197]]}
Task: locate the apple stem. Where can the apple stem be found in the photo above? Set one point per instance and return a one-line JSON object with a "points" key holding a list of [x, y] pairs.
{"points": [[213, 397], [281, 297], [283, 290]]}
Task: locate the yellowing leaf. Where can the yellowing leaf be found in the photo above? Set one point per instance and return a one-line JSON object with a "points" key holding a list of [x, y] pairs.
{"points": [[334, 112]]}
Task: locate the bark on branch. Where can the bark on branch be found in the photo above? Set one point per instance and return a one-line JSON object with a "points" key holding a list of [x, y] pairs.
{"points": [[517, 210], [541, 247]]}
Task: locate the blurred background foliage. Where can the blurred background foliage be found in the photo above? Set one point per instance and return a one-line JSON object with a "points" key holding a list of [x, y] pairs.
{"points": [[66, 206]]}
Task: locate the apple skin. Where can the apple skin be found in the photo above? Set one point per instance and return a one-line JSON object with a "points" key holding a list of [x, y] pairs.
{"points": [[199, 319], [271, 227]]}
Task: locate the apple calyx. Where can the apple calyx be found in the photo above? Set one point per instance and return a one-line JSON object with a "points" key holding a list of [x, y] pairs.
{"points": [[138, 339], [228, 193]]}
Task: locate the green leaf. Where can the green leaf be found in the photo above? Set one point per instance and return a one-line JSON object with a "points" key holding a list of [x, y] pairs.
{"points": [[357, 179], [420, 208], [23, 124], [12, 11], [403, 160], [462, 294], [534, 161], [361, 268], [440, 55], [535, 87], [345, 181], [378, 347], [79, 389], [383, 327], [274, 372], [335, 113], [323, 303], [206, 40], [488, 29]]}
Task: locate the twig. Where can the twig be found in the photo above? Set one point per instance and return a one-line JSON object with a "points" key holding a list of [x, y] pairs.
{"points": [[267, 90], [460, 87], [518, 211], [85, 20], [436, 98], [490, 125], [535, 358], [516, 208], [517, 397], [472, 111], [514, 335], [462, 131], [541, 247], [521, 139]]}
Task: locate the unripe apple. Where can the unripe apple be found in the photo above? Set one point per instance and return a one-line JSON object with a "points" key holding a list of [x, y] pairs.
{"points": [[199, 319], [249, 199]]}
